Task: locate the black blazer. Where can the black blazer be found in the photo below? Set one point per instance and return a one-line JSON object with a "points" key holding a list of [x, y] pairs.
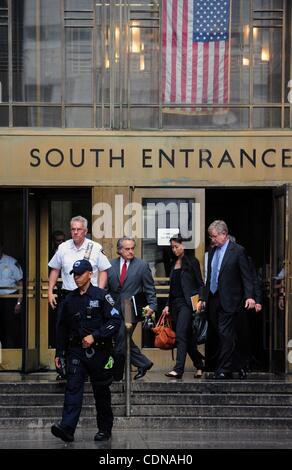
{"points": [[235, 279], [191, 280]]}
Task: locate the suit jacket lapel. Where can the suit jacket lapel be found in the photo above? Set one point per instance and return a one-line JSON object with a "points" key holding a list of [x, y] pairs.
{"points": [[210, 257], [225, 257], [116, 268]]}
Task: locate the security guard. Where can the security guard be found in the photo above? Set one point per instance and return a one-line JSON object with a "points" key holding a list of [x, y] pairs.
{"points": [[10, 307], [87, 323]]}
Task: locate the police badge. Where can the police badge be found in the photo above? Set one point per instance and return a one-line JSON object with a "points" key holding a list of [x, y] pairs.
{"points": [[110, 300]]}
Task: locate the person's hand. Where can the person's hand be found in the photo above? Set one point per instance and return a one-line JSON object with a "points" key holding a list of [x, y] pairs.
{"points": [[200, 305], [281, 303], [249, 303], [17, 308], [87, 341], [258, 307], [165, 311], [57, 363], [147, 311], [52, 300]]}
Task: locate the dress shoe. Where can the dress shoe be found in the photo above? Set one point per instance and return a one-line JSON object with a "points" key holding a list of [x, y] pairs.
{"points": [[223, 376], [59, 378], [63, 433], [174, 375], [102, 436], [242, 374], [142, 371]]}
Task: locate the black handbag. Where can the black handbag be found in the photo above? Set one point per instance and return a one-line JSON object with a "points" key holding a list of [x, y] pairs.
{"points": [[200, 327]]}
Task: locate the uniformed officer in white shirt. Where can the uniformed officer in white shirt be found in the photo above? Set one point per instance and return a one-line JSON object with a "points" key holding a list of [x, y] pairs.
{"points": [[71, 251], [10, 280]]}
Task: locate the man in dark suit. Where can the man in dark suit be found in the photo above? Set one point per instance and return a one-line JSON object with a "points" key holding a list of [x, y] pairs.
{"points": [[131, 277], [229, 287]]}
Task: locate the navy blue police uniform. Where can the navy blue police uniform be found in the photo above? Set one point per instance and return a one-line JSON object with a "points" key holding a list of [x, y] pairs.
{"points": [[92, 313]]}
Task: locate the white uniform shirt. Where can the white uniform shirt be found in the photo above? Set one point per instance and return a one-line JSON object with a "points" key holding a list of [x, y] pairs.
{"points": [[68, 253], [10, 274]]}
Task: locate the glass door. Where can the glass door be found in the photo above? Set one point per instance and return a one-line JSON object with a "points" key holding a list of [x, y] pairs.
{"points": [[163, 212], [56, 209], [279, 274], [12, 275], [288, 282]]}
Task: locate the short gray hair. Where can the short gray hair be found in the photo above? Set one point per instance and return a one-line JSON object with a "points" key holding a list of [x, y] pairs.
{"points": [[218, 225], [123, 239], [79, 218]]}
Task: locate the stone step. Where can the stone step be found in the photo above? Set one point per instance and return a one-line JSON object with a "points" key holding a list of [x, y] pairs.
{"points": [[180, 386], [153, 422], [264, 403], [49, 411], [155, 410], [212, 411], [214, 386], [51, 398], [195, 399], [222, 399], [47, 387]]}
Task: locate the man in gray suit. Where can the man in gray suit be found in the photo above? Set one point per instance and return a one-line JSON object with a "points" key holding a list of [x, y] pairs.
{"points": [[130, 277]]}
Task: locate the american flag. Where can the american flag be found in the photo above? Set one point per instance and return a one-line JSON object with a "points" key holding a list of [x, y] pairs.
{"points": [[195, 51]]}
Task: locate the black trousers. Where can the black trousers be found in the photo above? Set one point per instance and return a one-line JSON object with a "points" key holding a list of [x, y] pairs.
{"points": [[10, 324], [224, 323], [78, 366], [185, 342], [138, 359]]}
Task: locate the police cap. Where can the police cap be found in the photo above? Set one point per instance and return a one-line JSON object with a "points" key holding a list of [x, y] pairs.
{"points": [[81, 266]]}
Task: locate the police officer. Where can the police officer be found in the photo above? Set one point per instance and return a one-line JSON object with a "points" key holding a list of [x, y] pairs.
{"points": [[87, 323], [72, 250], [10, 287]]}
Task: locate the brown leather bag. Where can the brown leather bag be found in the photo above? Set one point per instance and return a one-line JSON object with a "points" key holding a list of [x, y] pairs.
{"points": [[165, 337]]}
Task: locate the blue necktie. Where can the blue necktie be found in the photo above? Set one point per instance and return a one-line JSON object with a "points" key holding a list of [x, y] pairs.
{"points": [[214, 271]]}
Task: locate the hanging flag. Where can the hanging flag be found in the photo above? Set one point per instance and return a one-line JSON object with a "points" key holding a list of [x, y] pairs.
{"points": [[195, 51]]}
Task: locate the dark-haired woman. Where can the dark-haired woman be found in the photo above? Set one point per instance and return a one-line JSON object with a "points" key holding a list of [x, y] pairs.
{"points": [[185, 281]]}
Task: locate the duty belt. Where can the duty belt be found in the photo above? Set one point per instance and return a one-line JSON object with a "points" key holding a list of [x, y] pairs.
{"points": [[77, 341]]}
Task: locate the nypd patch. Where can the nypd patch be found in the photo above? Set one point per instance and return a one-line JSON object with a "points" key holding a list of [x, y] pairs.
{"points": [[110, 300]]}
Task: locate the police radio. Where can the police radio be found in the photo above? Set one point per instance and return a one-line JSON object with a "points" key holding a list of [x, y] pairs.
{"points": [[88, 251]]}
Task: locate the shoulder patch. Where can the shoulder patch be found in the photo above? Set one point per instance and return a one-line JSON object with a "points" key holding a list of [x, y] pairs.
{"points": [[114, 312], [110, 300]]}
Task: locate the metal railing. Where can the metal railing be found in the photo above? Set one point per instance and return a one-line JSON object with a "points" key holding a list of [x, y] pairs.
{"points": [[127, 308]]}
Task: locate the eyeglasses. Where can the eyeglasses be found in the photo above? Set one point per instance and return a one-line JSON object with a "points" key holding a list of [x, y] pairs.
{"points": [[212, 237], [77, 229]]}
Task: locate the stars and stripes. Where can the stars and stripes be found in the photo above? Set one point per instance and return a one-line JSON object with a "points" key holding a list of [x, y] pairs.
{"points": [[195, 51]]}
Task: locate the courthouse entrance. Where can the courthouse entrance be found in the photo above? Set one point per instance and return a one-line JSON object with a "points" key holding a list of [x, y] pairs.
{"points": [[28, 218], [259, 218]]}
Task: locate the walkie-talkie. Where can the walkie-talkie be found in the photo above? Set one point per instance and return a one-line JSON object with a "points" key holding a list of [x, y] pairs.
{"points": [[88, 251]]}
